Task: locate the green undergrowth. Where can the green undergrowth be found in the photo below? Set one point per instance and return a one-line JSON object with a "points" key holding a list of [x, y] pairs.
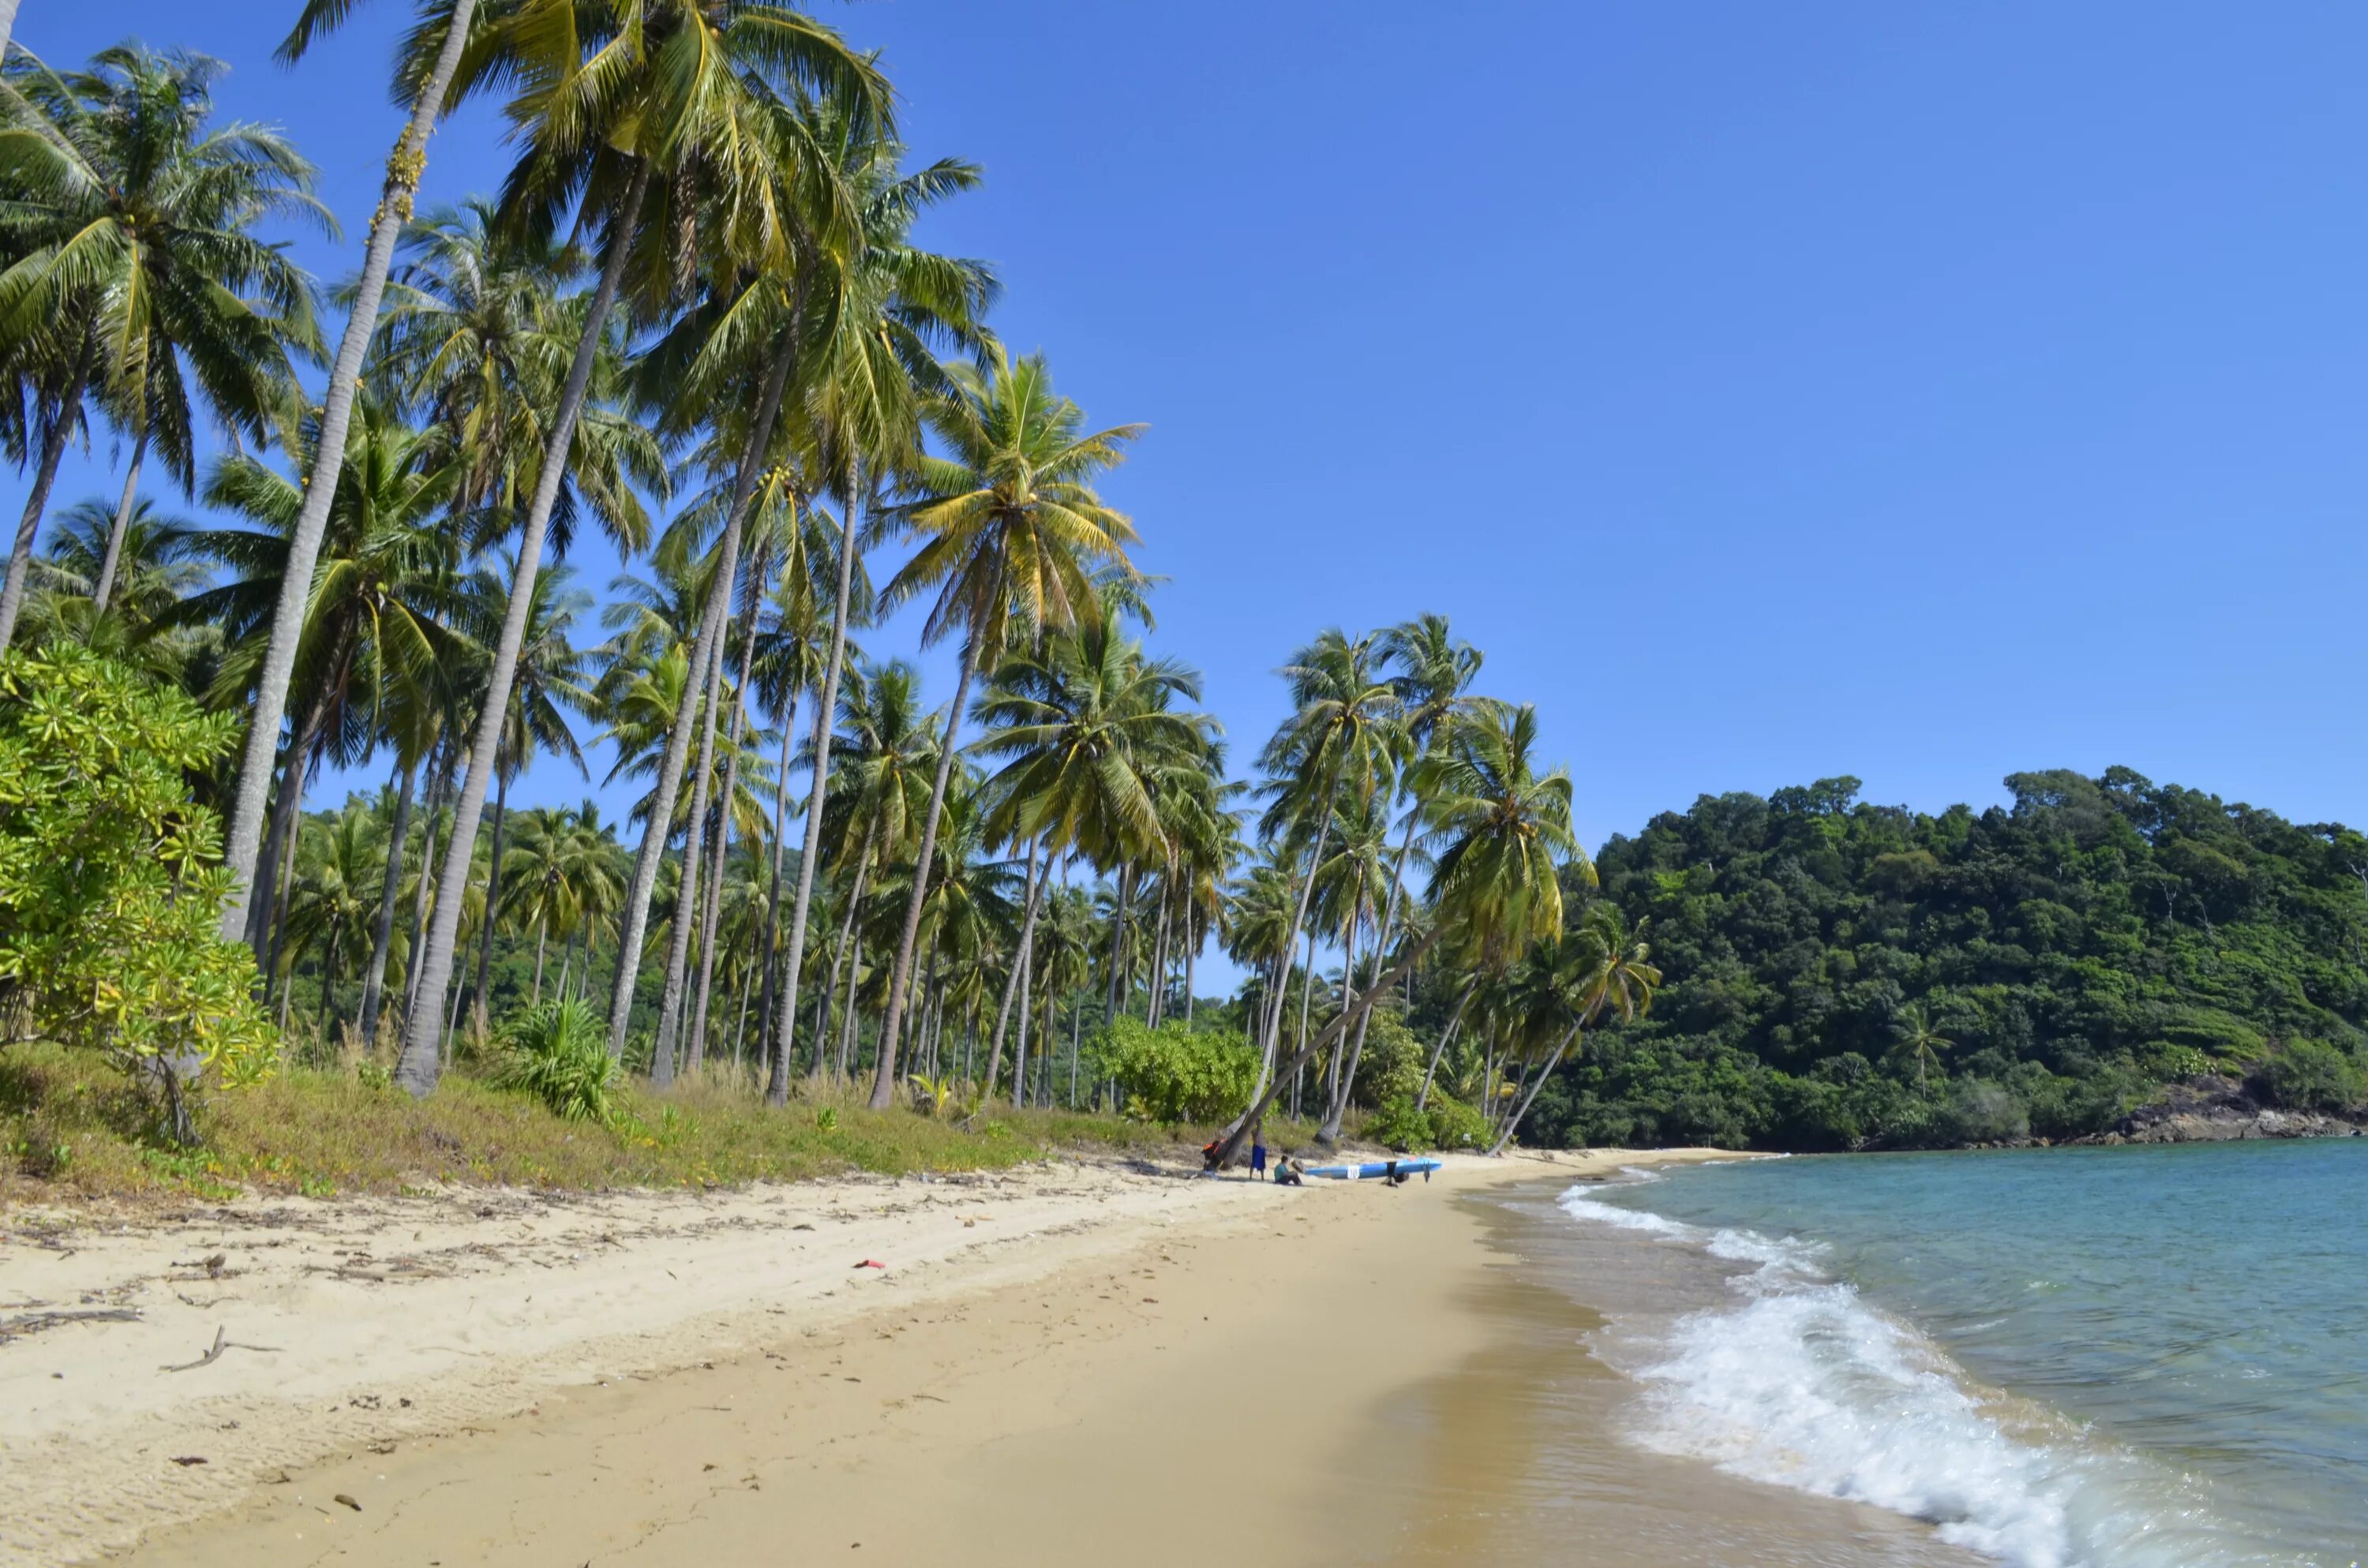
{"points": [[73, 1128]]}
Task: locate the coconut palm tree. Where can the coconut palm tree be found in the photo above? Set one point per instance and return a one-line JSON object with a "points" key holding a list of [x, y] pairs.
{"points": [[888, 310], [1919, 1041], [1502, 831], [424, 79], [130, 224], [686, 85], [1012, 530], [1568, 981]]}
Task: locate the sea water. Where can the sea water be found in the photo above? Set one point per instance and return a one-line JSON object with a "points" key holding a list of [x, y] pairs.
{"points": [[2132, 1357]]}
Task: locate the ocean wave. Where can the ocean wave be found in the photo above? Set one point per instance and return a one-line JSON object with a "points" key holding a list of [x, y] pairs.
{"points": [[1804, 1385]]}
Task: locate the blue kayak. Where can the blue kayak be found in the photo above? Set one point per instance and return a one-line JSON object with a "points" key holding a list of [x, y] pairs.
{"points": [[1376, 1170]]}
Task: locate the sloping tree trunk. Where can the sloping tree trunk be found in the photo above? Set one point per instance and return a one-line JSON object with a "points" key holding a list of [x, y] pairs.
{"points": [[1155, 1010], [382, 933], [773, 896], [1019, 1057], [1523, 1109], [1445, 1039], [883, 1083], [1381, 944], [1297, 923], [541, 935], [1011, 984], [847, 930], [706, 677], [54, 446], [103, 590], [1344, 1061], [436, 783], [404, 167], [778, 1091], [419, 1067], [723, 822], [478, 1008], [1191, 950], [1230, 1145], [7, 22]]}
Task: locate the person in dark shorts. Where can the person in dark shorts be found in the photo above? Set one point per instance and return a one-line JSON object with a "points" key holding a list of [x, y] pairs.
{"points": [[1258, 1158]]}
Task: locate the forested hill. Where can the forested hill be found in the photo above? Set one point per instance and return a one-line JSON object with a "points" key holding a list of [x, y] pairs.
{"points": [[1843, 974]]}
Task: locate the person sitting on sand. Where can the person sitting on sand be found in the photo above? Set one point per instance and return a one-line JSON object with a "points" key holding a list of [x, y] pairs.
{"points": [[1286, 1172]]}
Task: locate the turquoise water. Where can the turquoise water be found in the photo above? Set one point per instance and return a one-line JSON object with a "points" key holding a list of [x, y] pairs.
{"points": [[2131, 1356]]}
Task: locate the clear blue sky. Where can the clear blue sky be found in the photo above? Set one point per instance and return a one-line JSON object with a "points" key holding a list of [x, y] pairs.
{"points": [[1919, 392]]}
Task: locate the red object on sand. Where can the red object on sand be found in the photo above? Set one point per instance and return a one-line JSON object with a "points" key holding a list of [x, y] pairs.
{"points": [[871, 1263]]}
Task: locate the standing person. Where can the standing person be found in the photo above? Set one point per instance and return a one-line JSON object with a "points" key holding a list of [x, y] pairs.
{"points": [[1258, 1156]]}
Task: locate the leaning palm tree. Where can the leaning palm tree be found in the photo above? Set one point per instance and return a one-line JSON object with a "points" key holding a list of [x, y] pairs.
{"points": [[637, 113], [1569, 980], [1012, 531], [1502, 830], [424, 79], [129, 226]]}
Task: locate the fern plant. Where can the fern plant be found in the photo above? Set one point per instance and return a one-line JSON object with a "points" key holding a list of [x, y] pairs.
{"points": [[559, 1053]]}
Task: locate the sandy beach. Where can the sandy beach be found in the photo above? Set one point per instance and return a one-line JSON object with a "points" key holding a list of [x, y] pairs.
{"points": [[1051, 1367]]}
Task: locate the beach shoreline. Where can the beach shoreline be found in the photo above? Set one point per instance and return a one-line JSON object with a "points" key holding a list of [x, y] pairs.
{"points": [[364, 1344]]}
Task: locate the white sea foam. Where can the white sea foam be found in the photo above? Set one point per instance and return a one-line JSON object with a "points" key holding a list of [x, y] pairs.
{"points": [[1803, 1384]]}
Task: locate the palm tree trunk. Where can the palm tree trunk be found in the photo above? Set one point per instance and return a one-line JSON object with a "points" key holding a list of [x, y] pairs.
{"points": [[1231, 1145], [883, 1086], [706, 674], [419, 904], [1111, 1008], [773, 896], [493, 901], [724, 820], [541, 932], [1382, 943], [1344, 1072], [105, 587], [1428, 1073], [1299, 923], [284, 867], [1155, 1008], [566, 958], [1011, 982], [382, 933], [838, 954], [1552, 1062], [778, 1091], [1191, 949], [1076, 1044], [419, 1067], [54, 446], [328, 982], [404, 168], [1019, 1059]]}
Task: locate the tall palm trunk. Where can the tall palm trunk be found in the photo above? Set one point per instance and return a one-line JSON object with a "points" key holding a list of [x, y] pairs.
{"points": [[1514, 1125], [1231, 1143], [883, 1085], [839, 953], [1299, 920], [723, 818], [436, 783], [1111, 1008], [1011, 982], [54, 446], [1191, 949], [419, 1067], [773, 894], [404, 168], [104, 588], [1344, 1062], [706, 675], [7, 22], [694, 1045], [541, 935], [478, 1005], [382, 933], [1157, 1007], [1020, 1049], [1445, 1039], [1382, 943]]}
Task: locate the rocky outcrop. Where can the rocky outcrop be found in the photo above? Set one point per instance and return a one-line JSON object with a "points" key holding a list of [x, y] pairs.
{"points": [[2216, 1111]]}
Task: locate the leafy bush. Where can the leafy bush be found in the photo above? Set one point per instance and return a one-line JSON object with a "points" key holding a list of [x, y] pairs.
{"points": [[1179, 1074], [2309, 1075], [111, 881], [1443, 1124], [559, 1053]]}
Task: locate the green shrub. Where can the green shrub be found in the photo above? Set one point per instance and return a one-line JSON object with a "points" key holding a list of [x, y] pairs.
{"points": [[1443, 1123], [2309, 1075], [111, 882], [559, 1053], [1178, 1074]]}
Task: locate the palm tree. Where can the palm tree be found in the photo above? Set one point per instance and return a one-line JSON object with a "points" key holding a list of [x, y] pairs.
{"points": [[380, 608], [1502, 830], [424, 78], [331, 897], [1087, 724], [155, 566], [1918, 1040], [682, 84], [131, 223], [1568, 981], [1012, 530]]}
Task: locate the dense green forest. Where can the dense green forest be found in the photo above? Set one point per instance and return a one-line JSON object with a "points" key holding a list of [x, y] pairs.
{"points": [[1848, 975]]}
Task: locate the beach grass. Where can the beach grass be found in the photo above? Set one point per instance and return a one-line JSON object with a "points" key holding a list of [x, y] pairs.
{"points": [[73, 1128]]}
